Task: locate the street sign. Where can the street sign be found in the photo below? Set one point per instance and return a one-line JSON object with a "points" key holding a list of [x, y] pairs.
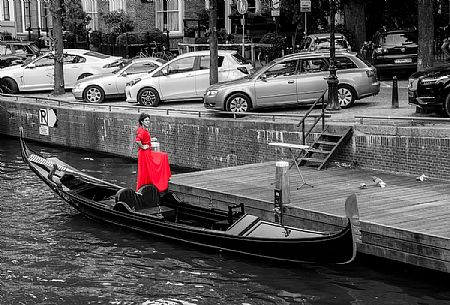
{"points": [[275, 11], [47, 117], [305, 6], [242, 6]]}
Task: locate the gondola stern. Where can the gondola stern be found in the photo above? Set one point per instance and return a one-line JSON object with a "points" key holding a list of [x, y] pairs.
{"points": [[352, 214]]}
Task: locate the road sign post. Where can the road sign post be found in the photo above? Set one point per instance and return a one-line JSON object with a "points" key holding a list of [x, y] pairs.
{"points": [[242, 7]]}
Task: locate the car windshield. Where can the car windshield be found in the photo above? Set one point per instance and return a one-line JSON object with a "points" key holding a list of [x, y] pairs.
{"points": [[34, 48], [241, 60], [325, 43], [399, 39]]}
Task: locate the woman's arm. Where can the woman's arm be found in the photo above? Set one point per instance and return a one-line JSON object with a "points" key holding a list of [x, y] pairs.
{"points": [[142, 146]]}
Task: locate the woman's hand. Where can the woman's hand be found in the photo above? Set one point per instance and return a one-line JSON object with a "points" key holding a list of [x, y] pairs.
{"points": [[145, 146]]}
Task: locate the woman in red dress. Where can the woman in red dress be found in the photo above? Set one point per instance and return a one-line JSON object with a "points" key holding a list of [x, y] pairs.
{"points": [[153, 166]]}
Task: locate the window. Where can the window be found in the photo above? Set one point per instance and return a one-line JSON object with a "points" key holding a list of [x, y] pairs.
{"points": [[314, 65], [285, 68], [343, 63], [205, 62], [6, 16], [115, 5], [48, 60], [182, 65], [168, 15], [90, 7]]}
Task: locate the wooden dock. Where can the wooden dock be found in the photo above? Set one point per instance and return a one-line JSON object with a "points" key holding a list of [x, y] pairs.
{"points": [[408, 220]]}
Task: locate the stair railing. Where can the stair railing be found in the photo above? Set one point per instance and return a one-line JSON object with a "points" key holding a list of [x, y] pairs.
{"points": [[322, 116]]}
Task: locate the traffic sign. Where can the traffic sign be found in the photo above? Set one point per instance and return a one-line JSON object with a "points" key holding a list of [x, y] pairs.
{"points": [[305, 6], [275, 10], [47, 117], [242, 6]]}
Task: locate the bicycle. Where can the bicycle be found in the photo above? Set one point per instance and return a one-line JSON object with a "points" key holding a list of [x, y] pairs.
{"points": [[164, 54]]}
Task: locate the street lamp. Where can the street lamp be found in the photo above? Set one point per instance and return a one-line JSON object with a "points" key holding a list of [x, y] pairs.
{"points": [[28, 7], [333, 103]]}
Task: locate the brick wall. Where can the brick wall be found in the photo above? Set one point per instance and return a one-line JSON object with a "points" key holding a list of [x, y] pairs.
{"points": [[206, 143]]}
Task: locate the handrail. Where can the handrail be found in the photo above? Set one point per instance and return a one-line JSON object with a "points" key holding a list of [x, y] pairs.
{"points": [[167, 111], [402, 118], [308, 114]]}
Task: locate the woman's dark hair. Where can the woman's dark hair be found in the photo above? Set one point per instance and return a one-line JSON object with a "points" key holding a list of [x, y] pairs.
{"points": [[142, 117]]}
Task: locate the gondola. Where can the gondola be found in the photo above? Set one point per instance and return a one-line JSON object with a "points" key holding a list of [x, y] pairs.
{"points": [[150, 212]]}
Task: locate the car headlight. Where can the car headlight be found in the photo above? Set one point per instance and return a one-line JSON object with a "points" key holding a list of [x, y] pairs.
{"points": [[211, 93], [134, 82]]}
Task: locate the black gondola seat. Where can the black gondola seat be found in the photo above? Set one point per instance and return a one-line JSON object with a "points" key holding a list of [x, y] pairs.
{"points": [[145, 201]]}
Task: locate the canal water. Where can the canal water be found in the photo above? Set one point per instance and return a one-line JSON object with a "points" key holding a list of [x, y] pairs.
{"points": [[50, 254]]}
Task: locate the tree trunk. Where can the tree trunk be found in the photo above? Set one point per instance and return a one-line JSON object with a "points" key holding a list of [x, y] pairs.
{"points": [[425, 53], [214, 58], [355, 21], [58, 87]]}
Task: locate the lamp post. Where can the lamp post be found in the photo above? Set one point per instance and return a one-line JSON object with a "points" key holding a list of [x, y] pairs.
{"points": [[332, 81], [28, 5]]}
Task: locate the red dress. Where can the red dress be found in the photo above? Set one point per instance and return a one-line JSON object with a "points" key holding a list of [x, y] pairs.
{"points": [[153, 166]]}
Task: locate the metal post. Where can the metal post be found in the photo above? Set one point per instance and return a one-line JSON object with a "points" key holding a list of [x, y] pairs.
{"points": [[394, 92], [29, 19], [333, 103], [243, 35]]}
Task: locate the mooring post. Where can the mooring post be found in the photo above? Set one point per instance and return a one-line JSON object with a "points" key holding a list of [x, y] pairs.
{"points": [[281, 192], [394, 92]]}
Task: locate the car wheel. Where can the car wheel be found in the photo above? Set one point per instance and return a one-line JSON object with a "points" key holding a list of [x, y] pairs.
{"points": [[93, 94], [84, 75], [9, 85], [148, 97], [238, 102], [447, 106], [346, 96]]}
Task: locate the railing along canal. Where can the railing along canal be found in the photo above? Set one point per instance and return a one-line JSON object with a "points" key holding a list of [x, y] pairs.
{"points": [[317, 118], [167, 111]]}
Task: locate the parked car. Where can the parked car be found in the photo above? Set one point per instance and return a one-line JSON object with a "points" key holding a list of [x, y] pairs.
{"points": [[17, 52], [395, 51], [295, 79], [430, 89], [38, 74], [95, 89], [185, 77], [321, 41]]}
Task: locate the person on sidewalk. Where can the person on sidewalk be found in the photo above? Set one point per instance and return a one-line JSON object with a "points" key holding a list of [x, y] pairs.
{"points": [[153, 166]]}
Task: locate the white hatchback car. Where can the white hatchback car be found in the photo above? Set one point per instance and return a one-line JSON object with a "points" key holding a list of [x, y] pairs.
{"points": [[185, 77], [95, 89], [39, 73]]}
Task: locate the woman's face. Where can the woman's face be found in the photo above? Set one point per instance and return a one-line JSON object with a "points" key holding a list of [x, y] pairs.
{"points": [[146, 122]]}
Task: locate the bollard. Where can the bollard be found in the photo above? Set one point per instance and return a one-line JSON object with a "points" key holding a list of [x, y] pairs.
{"points": [[281, 192], [394, 92]]}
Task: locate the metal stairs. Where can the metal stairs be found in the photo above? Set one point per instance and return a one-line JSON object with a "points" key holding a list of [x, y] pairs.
{"points": [[325, 147]]}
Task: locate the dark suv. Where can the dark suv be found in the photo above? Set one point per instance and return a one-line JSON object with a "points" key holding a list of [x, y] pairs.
{"points": [[395, 51], [430, 89], [17, 52]]}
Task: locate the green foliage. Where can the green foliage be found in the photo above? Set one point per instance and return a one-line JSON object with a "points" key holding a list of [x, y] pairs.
{"points": [[95, 38], [141, 37], [118, 22], [278, 43], [75, 19]]}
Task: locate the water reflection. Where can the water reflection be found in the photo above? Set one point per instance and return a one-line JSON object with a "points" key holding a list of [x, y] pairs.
{"points": [[53, 255]]}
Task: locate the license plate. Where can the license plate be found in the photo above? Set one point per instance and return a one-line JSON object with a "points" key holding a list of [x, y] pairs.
{"points": [[403, 60]]}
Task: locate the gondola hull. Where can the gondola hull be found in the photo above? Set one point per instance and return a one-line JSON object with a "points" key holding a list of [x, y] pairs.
{"points": [[170, 218]]}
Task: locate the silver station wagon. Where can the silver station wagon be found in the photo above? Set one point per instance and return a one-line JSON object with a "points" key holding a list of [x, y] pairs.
{"points": [[299, 78]]}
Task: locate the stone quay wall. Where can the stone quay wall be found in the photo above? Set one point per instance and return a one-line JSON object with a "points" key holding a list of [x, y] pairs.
{"points": [[209, 143]]}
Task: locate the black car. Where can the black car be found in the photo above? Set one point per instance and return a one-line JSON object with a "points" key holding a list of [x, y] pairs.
{"points": [[17, 52], [430, 89], [395, 51]]}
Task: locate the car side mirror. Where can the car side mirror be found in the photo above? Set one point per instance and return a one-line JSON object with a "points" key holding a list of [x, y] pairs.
{"points": [[263, 77], [124, 74], [165, 71], [31, 66]]}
